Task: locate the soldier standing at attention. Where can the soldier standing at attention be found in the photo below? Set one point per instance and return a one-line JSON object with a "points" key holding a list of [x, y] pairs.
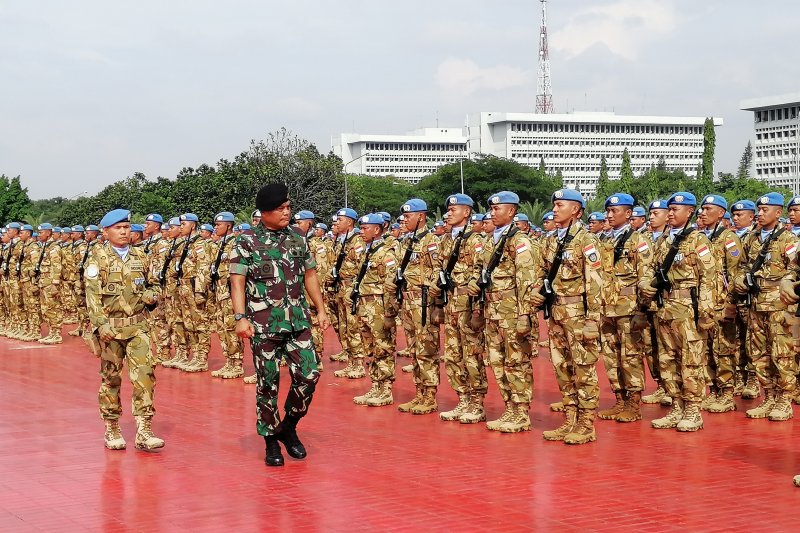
{"points": [[743, 215], [597, 222], [116, 295], [686, 311], [48, 276], [271, 271], [571, 265], [638, 218], [304, 220]]}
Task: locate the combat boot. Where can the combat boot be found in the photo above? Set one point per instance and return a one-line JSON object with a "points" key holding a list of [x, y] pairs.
{"points": [[616, 409], [427, 404], [519, 421], [145, 440], [458, 410], [251, 380], [77, 332], [673, 417], [406, 407], [170, 363], [474, 412], [225, 368], [357, 372], [340, 357], [692, 419], [45, 339], [583, 430], [763, 410], [407, 368], [273, 457], [113, 436], [738, 384], [570, 417], [383, 396], [557, 407], [782, 409], [709, 400], [751, 387], [655, 397], [234, 370], [362, 400], [288, 436], [632, 411], [344, 371], [495, 425], [199, 363], [56, 338], [796, 396], [724, 402]]}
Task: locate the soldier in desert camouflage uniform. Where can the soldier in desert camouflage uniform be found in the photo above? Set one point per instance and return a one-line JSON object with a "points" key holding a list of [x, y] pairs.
{"points": [[167, 276], [48, 276], [29, 288], [304, 221]]}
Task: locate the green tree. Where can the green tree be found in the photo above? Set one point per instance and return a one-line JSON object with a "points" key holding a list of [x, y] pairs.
{"points": [[705, 175], [14, 201], [603, 186], [369, 194], [626, 173], [745, 162]]}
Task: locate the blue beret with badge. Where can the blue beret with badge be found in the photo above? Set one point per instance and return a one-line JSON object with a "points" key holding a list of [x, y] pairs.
{"points": [[597, 216], [571, 195], [715, 199], [726, 216], [27, 227], [93, 227], [115, 216], [682, 198], [45, 226], [189, 217], [386, 216], [207, 227], [164, 226], [224, 216], [347, 212], [14, 225], [139, 228], [638, 211], [175, 221], [371, 218], [415, 205], [57, 230], [438, 224], [256, 214], [771, 198], [794, 200], [154, 217], [304, 215], [619, 198], [77, 229], [743, 205], [658, 204], [504, 197], [522, 217], [320, 225], [548, 216], [477, 217], [395, 226], [459, 199]]}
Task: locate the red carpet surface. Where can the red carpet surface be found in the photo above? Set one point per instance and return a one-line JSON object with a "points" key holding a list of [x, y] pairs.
{"points": [[368, 469]]}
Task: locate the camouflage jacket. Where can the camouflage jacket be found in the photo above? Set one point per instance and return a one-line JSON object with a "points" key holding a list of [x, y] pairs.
{"points": [[176, 247], [727, 249], [419, 271], [634, 261], [117, 289], [394, 244], [274, 265], [150, 244], [353, 249], [31, 252], [578, 283], [472, 246], [14, 265], [693, 270], [50, 267], [321, 250], [220, 254], [380, 275], [780, 255], [512, 280], [193, 264], [67, 261]]}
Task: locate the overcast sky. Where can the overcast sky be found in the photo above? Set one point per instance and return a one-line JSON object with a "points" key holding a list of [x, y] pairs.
{"points": [[93, 91]]}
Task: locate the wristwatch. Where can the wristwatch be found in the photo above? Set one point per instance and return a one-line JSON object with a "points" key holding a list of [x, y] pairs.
{"points": [[239, 316]]}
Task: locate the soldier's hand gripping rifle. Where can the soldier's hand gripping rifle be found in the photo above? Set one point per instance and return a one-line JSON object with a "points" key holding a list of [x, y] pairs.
{"points": [[547, 285]]}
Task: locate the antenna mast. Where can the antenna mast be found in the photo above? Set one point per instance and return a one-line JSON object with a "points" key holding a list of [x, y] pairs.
{"points": [[544, 96]]}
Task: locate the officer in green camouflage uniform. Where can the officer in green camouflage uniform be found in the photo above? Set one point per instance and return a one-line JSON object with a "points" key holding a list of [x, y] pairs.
{"points": [[271, 271], [116, 295], [686, 315]]}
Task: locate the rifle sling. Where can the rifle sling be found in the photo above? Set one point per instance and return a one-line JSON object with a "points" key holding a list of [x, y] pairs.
{"points": [[559, 256], [409, 252], [762, 254], [363, 271], [673, 249], [497, 255], [453, 259], [620, 245]]}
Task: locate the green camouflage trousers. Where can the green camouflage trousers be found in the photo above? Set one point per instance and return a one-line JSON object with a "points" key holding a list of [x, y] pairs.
{"points": [[298, 350], [136, 353], [423, 340], [463, 354], [510, 358], [623, 352], [682, 358], [574, 360], [377, 340], [349, 327], [772, 349], [226, 330], [721, 354]]}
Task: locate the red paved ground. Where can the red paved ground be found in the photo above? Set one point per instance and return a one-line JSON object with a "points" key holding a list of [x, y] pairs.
{"points": [[370, 469]]}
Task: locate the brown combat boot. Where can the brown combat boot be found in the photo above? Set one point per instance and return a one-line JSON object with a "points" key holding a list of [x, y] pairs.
{"points": [[782, 409], [456, 412], [235, 369], [724, 402], [362, 400], [616, 409], [519, 421], [427, 404], [762, 410], [632, 411], [113, 436], [709, 400], [339, 357], [751, 388], [77, 332], [406, 407], [692, 417], [225, 368], [45, 339], [495, 425], [557, 407], [474, 412], [673, 417], [199, 363], [570, 417], [407, 368], [357, 371], [583, 430], [383, 396], [738, 383], [145, 440]]}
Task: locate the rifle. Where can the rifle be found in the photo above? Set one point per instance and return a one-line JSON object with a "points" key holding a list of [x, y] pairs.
{"points": [[184, 253], [356, 293], [162, 276], [82, 266], [749, 277], [19, 261], [497, 256], [445, 283], [547, 285], [338, 266], [217, 261], [619, 247], [37, 271], [7, 261], [661, 280], [400, 278]]}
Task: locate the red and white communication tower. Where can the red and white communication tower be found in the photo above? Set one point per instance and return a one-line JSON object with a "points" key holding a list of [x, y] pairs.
{"points": [[544, 91]]}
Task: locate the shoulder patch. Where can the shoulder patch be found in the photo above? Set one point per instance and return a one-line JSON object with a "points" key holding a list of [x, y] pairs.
{"points": [[432, 247], [703, 251], [390, 262], [522, 247], [730, 244], [479, 246], [592, 255], [92, 271], [791, 248], [643, 247]]}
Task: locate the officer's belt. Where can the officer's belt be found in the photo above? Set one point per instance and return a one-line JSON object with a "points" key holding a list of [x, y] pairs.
{"points": [[769, 283], [370, 297], [123, 322], [568, 300], [678, 294], [630, 290], [496, 296]]}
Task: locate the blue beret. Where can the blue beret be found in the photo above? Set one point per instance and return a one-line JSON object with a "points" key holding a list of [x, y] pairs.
{"points": [[356, 231], [56, 230], [77, 229], [395, 226], [477, 217], [255, 214], [597, 216], [224, 216], [438, 224], [371, 218], [189, 217], [504, 197], [521, 217], [175, 221], [34, 234], [347, 212], [783, 220], [27, 227], [137, 228], [487, 216], [569, 194], [112, 217], [45, 226], [207, 227], [164, 226], [715, 199], [743, 205], [795, 200], [386, 216], [154, 217], [15, 225], [415, 205], [771, 198], [682, 198], [619, 198], [93, 227], [459, 199], [548, 216], [244, 227], [658, 204], [726, 216], [321, 226], [304, 215], [638, 211]]}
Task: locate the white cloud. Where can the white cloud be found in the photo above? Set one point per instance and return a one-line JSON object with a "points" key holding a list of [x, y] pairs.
{"points": [[463, 77], [623, 26]]}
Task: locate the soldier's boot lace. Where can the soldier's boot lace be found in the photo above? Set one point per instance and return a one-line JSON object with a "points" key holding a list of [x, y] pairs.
{"points": [[632, 411], [456, 412], [616, 409], [383, 396], [673, 417], [362, 399], [583, 432], [724, 402], [751, 387], [250, 380], [762, 410], [357, 372], [474, 412], [145, 440], [655, 396], [519, 421], [56, 338], [692, 417], [570, 417], [406, 407], [782, 409], [113, 436], [427, 404], [494, 425], [557, 407], [234, 371]]}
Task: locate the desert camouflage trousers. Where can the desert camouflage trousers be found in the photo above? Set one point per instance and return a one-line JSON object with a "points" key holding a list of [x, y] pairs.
{"points": [[423, 341], [298, 351], [721, 358], [510, 359], [332, 307], [136, 353], [174, 316], [623, 353], [50, 303], [682, 358], [159, 330], [463, 354], [80, 305], [349, 327], [771, 346], [31, 305], [744, 363], [196, 322], [232, 347], [14, 302], [377, 339], [574, 360], [69, 306]]}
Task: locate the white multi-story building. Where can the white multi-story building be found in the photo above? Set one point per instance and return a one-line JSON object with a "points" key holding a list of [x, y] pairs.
{"points": [[571, 143], [776, 147]]}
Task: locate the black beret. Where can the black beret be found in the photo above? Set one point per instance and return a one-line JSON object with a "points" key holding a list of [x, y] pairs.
{"points": [[271, 196]]}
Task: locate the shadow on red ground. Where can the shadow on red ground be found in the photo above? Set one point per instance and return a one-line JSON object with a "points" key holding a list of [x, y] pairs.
{"points": [[369, 469]]}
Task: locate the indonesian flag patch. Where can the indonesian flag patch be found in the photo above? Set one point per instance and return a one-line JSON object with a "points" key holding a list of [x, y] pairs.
{"points": [[791, 249], [321, 250], [479, 247], [522, 247], [390, 262], [431, 248], [643, 247], [730, 244], [703, 251], [359, 250], [592, 255]]}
